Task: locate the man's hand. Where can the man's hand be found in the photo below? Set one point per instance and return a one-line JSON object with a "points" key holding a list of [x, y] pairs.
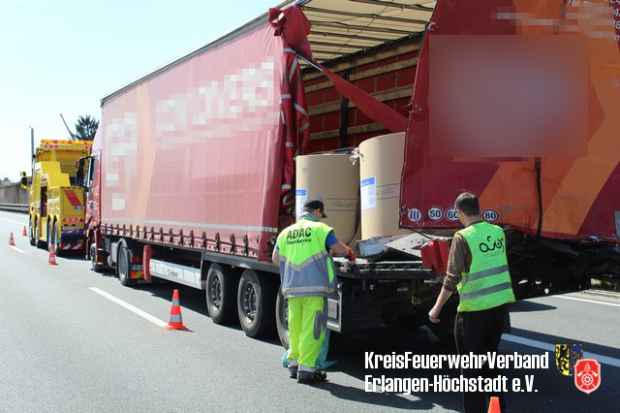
{"points": [[351, 254], [275, 256], [433, 315], [442, 298], [340, 249]]}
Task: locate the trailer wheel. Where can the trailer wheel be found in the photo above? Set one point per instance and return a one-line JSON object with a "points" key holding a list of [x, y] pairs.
{"points": [[282, 319], [123, 264], [220, 292], [256, 299]]}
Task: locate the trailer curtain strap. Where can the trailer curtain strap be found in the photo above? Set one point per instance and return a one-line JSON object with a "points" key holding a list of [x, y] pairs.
{"points": [[371, 107]]}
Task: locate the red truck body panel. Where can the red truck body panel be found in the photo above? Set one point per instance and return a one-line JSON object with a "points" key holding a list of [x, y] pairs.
{"points": [[192, 156], [578, 196]]}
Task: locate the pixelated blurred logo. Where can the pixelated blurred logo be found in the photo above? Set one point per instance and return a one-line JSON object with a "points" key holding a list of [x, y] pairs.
{"points": [[587, 375], [566, 356]]}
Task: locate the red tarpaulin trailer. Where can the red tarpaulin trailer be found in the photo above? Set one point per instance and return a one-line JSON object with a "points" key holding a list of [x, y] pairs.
{"points": [[192, 173]]}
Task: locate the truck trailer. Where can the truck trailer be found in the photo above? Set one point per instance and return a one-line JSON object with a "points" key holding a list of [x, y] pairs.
{"points": [[192, 172]]}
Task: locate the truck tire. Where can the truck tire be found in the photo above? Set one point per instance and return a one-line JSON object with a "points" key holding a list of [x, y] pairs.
{"points": [[256, 299], [123, 264], [39, 243], [282, 319], [220, 292], [55, 240], [31, 234], [48, 235], [93, 258]]}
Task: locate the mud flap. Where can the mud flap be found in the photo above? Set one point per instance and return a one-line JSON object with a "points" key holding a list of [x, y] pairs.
{"points": [[72, 240], [334, 311]]}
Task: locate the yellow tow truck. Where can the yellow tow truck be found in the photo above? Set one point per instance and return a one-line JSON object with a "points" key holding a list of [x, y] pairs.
{"points": [[57, 202]]}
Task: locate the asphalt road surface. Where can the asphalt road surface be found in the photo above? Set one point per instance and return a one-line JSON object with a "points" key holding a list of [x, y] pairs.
{"points": [[72, 340]]}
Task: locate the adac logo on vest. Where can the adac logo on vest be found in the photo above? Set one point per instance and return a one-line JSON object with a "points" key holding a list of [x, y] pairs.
{"points": [[491, 247], [299, 235]]}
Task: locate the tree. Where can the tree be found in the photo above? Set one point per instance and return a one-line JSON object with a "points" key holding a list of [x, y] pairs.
{"points": [[85, 128]]}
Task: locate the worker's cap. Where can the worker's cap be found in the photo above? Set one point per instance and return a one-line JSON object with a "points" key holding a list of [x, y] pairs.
{"points": [[315, 204]]}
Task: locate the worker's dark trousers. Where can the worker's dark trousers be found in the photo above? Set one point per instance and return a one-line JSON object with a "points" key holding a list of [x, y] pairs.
{"points": [[479, 332]]}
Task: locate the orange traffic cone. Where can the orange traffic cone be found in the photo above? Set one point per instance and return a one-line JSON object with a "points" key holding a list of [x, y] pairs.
{"points": [[24, 232], [494, 405], [176, 320], [52, 257], [11, 240]]}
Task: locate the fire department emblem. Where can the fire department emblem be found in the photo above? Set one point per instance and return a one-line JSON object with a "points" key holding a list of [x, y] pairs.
{"points": [[587, 375], [566, 356]]}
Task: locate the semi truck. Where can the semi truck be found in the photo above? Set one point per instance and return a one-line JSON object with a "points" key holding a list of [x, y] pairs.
{"points": [[192, 171], [56, 197]]}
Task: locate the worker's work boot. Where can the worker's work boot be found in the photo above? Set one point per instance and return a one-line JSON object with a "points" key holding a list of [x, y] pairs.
{"points": [[311, 377], [292, 372]]}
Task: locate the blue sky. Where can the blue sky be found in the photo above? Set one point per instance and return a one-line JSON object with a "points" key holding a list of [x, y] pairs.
{"points": [[64, 56]]}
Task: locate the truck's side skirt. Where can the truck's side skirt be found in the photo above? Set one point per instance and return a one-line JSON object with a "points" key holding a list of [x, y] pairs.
{"points": [[181, 274]]}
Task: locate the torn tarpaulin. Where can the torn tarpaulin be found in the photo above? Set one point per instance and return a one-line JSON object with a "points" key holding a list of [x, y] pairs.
{"points": [[294, 27]]}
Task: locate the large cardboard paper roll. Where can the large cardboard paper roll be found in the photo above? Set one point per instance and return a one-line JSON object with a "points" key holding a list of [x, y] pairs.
{"points": [[381, 164], [333, 179]]}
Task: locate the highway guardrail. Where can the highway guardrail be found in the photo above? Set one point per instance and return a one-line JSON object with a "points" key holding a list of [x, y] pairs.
{"points": [[23, 208]]}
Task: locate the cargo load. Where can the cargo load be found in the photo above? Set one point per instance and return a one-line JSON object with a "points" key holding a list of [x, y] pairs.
{"points": [[381, 165], [334, 179]]}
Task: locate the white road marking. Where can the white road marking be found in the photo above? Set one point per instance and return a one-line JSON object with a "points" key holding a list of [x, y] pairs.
{"points": [[565, 297], [17, 249], [130, 307], [611, 361]]}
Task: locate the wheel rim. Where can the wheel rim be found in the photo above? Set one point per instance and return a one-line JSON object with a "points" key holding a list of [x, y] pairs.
{"points": [[249, 301], [215, 292]]}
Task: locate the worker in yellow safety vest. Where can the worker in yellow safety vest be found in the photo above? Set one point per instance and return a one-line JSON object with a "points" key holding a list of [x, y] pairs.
{"points": [[478, 270], [303, 251]]}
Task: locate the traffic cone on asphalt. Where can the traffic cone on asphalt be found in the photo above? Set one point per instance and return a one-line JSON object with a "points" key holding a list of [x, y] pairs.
{"points": [[11, 240], [24, 232], [494, 405], [176, 320], [52, 257]]}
